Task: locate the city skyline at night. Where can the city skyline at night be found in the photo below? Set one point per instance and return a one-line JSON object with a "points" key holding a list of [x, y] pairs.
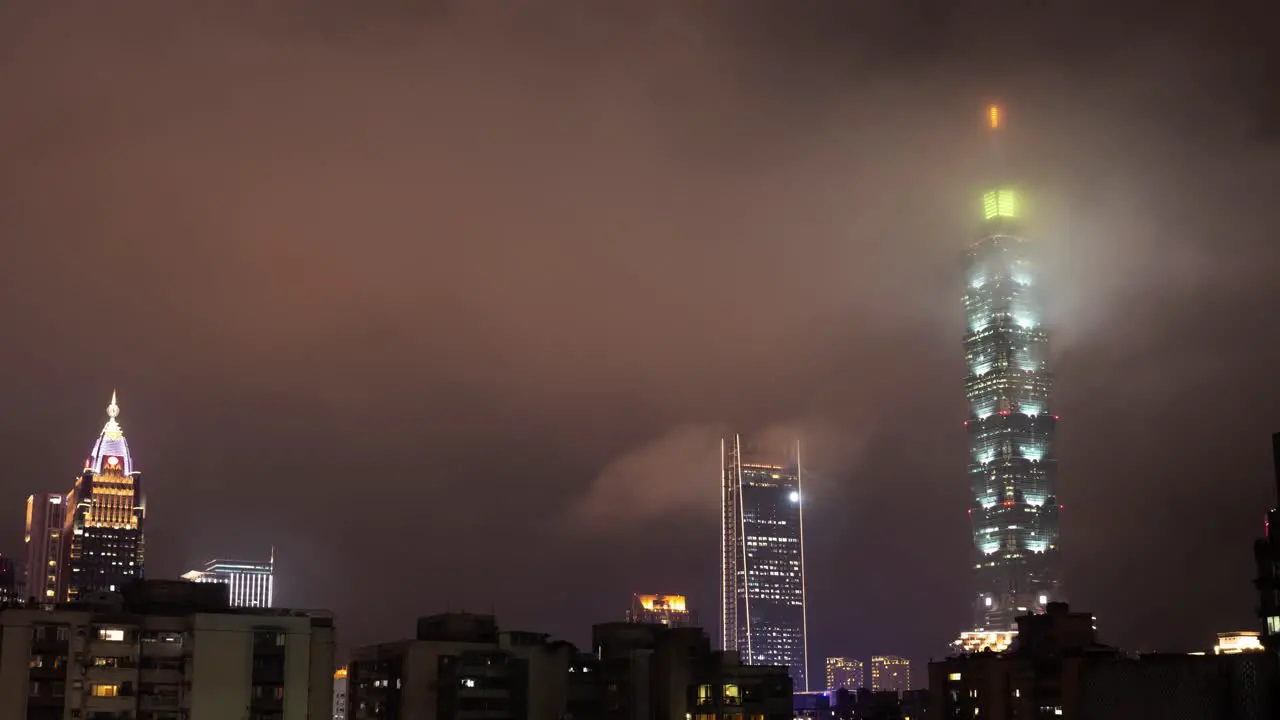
{"points": [[453, 305], [1012, 465]]}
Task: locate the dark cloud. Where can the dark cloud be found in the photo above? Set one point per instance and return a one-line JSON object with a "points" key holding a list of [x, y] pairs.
{"points": [[412, 291]]}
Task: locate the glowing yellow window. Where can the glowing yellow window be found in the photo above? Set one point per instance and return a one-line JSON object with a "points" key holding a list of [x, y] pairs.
{"points": [[732, 695], [704, 695], [100, 690]]}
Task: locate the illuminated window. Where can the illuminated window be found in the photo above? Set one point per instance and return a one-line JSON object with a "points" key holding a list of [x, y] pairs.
{"points": [[1273, 625], [705, 697], [732, 695], [953, 676], [111, 634], [103, 690]]}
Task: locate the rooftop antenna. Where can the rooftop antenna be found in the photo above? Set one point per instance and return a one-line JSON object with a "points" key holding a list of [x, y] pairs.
{"points": [[1275, 454]]}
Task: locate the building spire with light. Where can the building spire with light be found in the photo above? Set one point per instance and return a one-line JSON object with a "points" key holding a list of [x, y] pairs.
{"points": [[113, 412], [111, 444]]}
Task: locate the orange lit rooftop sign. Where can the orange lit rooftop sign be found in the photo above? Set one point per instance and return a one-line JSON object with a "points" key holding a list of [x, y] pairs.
{"points": [[663, 602], [995, 116], [341, 673]]}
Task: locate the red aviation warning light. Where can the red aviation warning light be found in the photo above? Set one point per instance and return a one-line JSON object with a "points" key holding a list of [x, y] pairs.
{"points": [[995, 116]]}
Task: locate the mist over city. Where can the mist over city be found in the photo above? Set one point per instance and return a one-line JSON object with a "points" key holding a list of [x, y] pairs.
{"points": [[448, 306]]}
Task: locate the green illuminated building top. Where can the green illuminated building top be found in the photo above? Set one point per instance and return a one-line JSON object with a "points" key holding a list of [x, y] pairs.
{"points": [[1003, 203]]}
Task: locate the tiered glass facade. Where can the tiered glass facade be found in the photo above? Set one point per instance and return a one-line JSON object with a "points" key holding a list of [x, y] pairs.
{"points": [[1012, 470], [762, 571]]}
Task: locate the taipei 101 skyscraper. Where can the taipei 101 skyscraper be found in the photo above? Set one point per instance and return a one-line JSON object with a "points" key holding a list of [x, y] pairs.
{"points": [[1012, 467]]}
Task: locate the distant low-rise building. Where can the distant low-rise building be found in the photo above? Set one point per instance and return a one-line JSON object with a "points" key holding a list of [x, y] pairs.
{"points": [[672, 610], [844, 672], [250, 583], [1232, 643], [164, 649], [890, 673]]}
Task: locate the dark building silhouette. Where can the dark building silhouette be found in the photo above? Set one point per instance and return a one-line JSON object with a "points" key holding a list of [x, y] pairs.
{"points": [[8, 580], [1266, 552], [1057, 668], [1213, 687], [652, 671], [867, 704], [460, 665], [1012, 467]]}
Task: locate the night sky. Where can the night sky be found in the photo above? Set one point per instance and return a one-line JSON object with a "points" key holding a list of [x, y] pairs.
{"points": [[450, 303]]}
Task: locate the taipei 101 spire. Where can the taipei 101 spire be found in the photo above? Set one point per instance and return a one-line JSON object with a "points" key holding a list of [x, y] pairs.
{"points": [[1012, 467]]}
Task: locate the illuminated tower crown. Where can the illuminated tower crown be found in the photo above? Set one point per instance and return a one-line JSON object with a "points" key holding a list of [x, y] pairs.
{"points": [[111, 450]]}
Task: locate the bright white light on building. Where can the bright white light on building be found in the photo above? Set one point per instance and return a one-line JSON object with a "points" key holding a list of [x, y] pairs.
{"points": [[1238, 642], [795, 496], [1044, 599]]}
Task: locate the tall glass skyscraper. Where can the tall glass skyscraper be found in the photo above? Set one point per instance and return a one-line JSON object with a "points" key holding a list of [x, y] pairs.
{"points": [[1012, 468], [762, 558]]}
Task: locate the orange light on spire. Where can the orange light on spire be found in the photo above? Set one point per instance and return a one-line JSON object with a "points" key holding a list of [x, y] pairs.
{"points": [[993, 116]]}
